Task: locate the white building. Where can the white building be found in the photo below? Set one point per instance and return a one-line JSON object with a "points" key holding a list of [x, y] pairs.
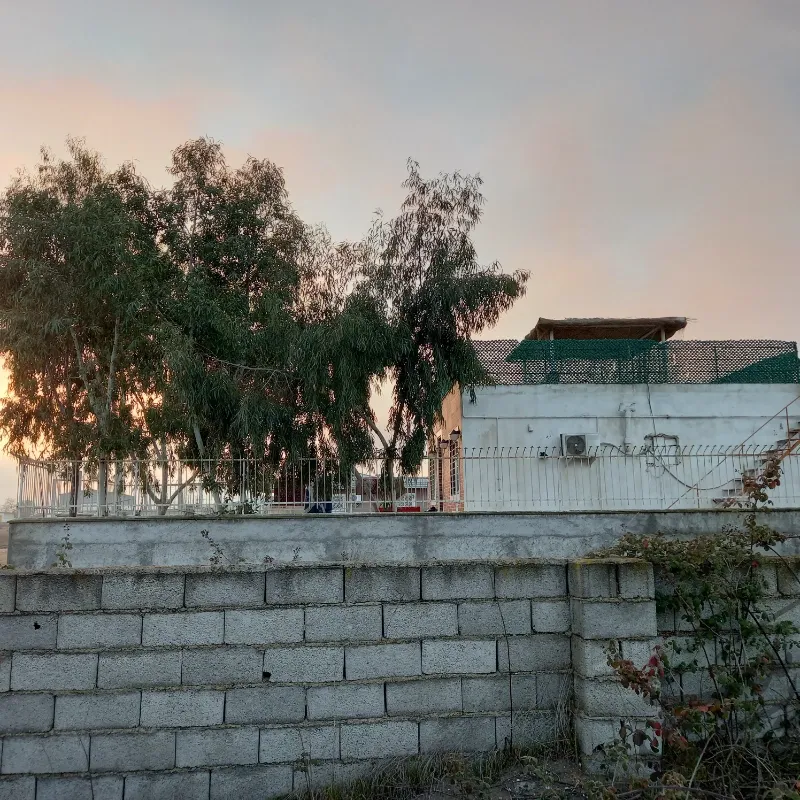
{"points": [[611, 414]]}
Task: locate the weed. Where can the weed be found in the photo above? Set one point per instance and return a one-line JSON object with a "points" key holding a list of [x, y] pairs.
{"points": [[62, 551]]}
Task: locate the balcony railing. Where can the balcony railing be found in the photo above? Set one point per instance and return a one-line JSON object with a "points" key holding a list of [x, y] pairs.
{"points": [[499, 479]]}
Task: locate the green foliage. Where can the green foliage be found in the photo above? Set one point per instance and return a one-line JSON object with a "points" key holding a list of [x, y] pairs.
{"points": [[207, 321], [62, 559], [729, 701], [79, 266], [422, 271]]}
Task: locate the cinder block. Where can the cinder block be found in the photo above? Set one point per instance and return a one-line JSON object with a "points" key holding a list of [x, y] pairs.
{"points": [[74, 592], [8, 589], [590, 657], [550, 616], [777, 688], [95, 787], [214, 748], [304, 664], [613, 620], [168, 786], [181, 709], [531, 580], [295, 744], [608, 698], [696, 683], [345, 701], [497, 692], [767, 573], [786, 610], [664, 582], [222, 665], [788, 578], [265, 704], [384, 584], [380, 740], [666, 621], [183, 628], [635, 580], [593, 579], [459, 657], [592, 733], [526, 729], [457, 735], [290, 586], [383, 661], [494, 617], [457, 582], [323, 775], [51, 671], [435, 696], [26, 713], [415, 620], [40, 755], [553, 689], [542, 652], [23, 632], [5, 672], [264, 626], [344, 623], [99, 630], [160, 591], [93, 711], [128, 752], [139, 670], [251, 782], [23, 788], [233, 589]]}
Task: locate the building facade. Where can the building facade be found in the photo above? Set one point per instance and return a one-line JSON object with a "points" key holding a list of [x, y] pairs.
{"points": [[618, 423]]}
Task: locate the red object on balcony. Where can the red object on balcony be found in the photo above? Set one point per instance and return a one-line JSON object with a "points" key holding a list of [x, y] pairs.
{"points": [[407, 509]]}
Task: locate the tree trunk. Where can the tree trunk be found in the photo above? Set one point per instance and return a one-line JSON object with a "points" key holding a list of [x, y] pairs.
{"points": [[119, 486], [162, 506], [74, 486], [102, 487]]}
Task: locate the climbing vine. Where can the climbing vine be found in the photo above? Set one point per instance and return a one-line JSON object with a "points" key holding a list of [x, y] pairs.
{"points": [[724, 683]]}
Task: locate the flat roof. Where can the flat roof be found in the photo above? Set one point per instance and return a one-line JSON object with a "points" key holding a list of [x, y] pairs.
{"points": [[608, 328]]}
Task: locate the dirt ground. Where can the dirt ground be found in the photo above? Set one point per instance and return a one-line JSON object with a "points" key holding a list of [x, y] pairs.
{"points": [[534, 779]]}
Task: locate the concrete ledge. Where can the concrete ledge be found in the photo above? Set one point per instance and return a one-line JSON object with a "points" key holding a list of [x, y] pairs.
{"points": [[334, 538]]}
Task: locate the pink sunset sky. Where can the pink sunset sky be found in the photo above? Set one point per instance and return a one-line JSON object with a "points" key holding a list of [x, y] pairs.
{"points": [[639, 158]]}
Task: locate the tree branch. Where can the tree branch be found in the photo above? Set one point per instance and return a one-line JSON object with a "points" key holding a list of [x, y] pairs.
{"points": [[376, 430], [111, 368], [183, 486], [83, 374]]}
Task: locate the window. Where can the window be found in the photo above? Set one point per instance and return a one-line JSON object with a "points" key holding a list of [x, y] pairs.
{"points": [[455, 469]]}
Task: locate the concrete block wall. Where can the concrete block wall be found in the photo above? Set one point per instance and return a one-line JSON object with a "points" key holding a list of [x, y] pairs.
{"points": [[612, 601], [253, 682], [781, 577]]}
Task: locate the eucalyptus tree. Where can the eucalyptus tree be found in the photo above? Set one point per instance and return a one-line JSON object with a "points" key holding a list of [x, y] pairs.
{"points": [[422, 273], [79, 275], [206, 320], [235, 356]]}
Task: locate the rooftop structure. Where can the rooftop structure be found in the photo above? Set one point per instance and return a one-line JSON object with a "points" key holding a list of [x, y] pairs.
{"points": [[656, 328], [633, 351]]}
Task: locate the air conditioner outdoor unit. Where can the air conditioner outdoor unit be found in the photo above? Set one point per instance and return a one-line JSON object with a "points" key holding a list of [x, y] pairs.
{"points": [[578, 445]]}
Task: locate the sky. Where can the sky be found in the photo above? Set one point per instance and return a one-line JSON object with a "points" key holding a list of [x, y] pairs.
{"points": [[639, 157]]}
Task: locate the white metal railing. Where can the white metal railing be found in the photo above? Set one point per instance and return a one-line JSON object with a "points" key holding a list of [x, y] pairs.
{"points": [[496, 479]]}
